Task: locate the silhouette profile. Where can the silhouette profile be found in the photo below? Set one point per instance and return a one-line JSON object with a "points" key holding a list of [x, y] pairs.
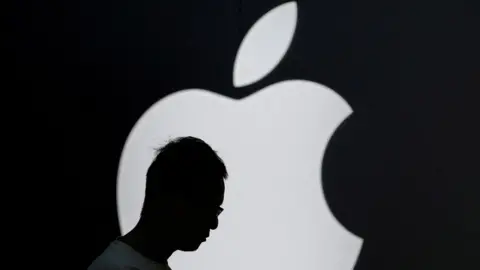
{"points": [[184, 191]]}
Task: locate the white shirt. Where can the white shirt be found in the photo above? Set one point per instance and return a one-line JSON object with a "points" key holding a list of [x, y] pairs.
{"points": [[119, 255]]}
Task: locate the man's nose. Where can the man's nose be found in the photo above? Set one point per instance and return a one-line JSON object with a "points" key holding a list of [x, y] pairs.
{"points": [[214, 223]]}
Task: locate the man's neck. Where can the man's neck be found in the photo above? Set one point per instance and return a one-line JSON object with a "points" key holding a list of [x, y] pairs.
{"points": [[139, 240]]}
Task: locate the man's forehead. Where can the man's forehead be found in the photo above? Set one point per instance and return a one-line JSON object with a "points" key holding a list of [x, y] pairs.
{"points": [[212, 195], [216, 196], [219, 200]]}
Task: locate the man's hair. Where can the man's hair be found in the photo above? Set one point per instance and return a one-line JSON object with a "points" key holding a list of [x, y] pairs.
{"points": [[185, 165]]}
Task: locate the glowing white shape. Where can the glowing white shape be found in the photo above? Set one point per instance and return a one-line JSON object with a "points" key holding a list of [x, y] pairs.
{"points": [[273, 142], [265, 44]]}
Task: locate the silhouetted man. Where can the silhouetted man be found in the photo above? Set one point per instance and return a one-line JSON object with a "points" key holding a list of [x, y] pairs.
{"points": [[184, 191]]}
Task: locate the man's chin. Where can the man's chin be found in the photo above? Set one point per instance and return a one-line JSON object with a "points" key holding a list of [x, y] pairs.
{"points": [[191, 247]]}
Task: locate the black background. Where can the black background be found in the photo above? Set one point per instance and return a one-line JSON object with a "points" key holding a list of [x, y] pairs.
{"points": [[401, 171]]}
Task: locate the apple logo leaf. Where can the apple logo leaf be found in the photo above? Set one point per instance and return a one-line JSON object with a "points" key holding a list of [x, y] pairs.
{"points": [[256, 57]]}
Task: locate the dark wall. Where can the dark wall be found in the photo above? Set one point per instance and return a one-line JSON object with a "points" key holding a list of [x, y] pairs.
{"points": [[409, 70]]}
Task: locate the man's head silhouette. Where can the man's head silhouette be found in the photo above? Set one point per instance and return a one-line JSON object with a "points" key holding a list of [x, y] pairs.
{"points": [[183, 197]]}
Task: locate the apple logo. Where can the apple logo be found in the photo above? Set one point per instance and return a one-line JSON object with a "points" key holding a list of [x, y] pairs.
{"points": [[273, 142]]}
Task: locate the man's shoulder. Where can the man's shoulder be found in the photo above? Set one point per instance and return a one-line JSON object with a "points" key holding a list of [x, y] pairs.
{"points": [[120, 256], [108, 260], [113, 267]]}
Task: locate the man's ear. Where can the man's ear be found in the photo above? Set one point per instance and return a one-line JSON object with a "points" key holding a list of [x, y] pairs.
{"points": [[177, 205]]}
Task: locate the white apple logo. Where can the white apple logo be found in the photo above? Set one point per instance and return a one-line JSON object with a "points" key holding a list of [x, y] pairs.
{"points": [[276, 215]]}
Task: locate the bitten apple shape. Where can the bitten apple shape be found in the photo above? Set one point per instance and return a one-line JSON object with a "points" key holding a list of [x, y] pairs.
{"points": [[273, 142]]}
